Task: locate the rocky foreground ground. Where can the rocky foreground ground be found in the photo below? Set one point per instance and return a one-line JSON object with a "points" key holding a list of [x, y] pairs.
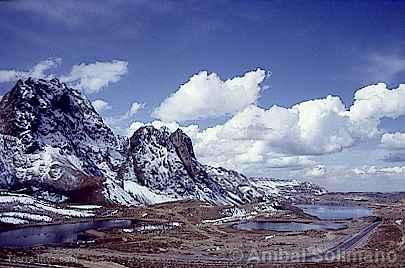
{"points": [[195, 234]]}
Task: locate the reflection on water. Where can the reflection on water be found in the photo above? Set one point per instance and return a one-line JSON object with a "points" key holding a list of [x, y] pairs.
{"points": [[54, 234], [332, 212], [287, 226]]}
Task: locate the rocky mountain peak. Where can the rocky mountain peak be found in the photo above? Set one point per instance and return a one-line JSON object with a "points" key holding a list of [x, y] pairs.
{"points": [[150, 135], [62, 144], [41, 112]]}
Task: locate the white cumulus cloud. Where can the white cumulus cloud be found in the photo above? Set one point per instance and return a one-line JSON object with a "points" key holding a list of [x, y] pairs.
{"points": [[135, 108], [39, 70], [90, 78], [93, 77], [374, 102], [393, 140], [206, 95], [101, 105], [255, 134], [378, 101]]}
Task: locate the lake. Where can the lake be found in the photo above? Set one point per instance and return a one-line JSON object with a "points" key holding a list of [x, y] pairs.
{"points": [[335, 212], [56, 234], [287, 226]]}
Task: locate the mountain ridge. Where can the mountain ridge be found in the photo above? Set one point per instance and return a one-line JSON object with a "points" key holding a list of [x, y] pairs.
{"points": [[54, 143]]}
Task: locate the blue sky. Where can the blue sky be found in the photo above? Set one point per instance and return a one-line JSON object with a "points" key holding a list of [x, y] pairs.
{"points": [[310, 48]]}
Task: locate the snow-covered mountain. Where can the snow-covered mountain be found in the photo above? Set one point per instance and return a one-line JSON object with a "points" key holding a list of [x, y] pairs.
{"points": [[55, 141], [55, 145]]}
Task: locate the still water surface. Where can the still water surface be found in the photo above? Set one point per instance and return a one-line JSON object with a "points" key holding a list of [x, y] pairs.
{"points": [[57, 234], [288, 226], [334, 212]]}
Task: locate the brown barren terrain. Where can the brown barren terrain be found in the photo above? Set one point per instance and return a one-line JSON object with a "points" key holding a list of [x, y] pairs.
{"points": [[185, 234]]}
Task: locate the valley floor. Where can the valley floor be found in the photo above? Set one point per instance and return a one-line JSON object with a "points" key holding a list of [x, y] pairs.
{"points": [[194, 234]]}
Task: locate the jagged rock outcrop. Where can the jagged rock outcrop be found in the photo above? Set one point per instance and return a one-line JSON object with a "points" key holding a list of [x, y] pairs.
{"points": [[185, 151]]}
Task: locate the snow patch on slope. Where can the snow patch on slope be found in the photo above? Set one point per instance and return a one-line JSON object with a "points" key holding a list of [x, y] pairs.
{"points": [[22, 209], [146, 196]]}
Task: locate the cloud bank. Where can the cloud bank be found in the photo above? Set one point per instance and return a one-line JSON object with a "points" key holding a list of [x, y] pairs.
{"points": [[256, 138], [374, 170]]}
